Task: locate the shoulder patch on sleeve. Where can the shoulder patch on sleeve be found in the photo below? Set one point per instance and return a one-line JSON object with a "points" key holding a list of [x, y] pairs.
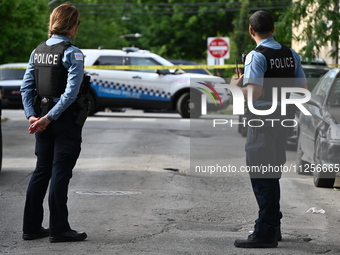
{"points": [[249, 58], [78, 56]]}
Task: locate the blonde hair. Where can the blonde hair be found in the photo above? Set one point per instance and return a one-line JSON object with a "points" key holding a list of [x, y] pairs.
{"points": [[64, 20]]}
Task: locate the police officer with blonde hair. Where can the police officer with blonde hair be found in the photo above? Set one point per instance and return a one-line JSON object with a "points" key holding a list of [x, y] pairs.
{"points": [[270, 65], [54, 74]]}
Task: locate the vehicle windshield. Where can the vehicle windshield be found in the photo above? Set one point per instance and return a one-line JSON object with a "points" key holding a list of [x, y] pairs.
{"points": [[163, 61], [334, 95], [12, 74]]}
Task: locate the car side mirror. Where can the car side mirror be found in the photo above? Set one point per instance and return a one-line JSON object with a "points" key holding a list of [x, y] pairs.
{"points": [[163, 71], [315, 100]]}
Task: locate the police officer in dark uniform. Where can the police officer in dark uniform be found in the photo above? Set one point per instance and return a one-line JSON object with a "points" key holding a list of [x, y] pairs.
{"points": [[269, 65], [54, 74]]}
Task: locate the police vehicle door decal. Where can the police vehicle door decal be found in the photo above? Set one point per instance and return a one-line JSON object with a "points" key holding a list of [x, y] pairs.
{"points": [[119, 90]]}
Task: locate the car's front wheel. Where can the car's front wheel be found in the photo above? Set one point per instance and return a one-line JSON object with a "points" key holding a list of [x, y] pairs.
{"points": [[322, 176], [189, 107]]}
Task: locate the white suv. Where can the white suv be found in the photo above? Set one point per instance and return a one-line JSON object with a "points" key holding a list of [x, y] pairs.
{"points": [[147, 89]]}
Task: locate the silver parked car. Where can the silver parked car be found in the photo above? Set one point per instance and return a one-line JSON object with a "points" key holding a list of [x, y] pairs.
{"points": [[318, 147]]}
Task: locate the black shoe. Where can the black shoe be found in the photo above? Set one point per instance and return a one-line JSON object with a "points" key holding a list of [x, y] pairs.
{"points": [[256, 242], [43, 232], [69, 236]]}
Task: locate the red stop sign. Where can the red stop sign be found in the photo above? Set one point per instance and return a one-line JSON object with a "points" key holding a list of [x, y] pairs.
{"points": [[218, 48]]}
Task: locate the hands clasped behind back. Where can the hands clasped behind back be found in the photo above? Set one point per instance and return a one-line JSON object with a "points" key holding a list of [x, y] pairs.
{"points": [[37, 124]]}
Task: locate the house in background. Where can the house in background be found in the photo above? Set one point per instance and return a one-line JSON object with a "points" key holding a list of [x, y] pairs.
{"points": [[324, 51]]}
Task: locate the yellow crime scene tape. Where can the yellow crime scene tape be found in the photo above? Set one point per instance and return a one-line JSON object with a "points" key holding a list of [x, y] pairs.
{"points": [[162, 67], [126, 67]]}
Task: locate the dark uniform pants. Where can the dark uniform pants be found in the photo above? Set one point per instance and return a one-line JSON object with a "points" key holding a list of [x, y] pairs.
{"points": [[57, 150], [266, 151]]}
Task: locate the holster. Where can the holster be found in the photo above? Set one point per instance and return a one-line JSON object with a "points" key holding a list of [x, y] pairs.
{"points": [[82, 106], [37, 103], [46, 105]]}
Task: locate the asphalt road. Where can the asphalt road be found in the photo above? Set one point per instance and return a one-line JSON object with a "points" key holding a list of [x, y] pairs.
{"points": [[136, 189]]}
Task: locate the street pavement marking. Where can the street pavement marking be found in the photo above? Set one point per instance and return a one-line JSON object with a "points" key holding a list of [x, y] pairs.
{"points": [[107, 193]]}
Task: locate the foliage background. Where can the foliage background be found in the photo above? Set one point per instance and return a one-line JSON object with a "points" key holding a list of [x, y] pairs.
{"points": [[23, 25], [174, 29]]}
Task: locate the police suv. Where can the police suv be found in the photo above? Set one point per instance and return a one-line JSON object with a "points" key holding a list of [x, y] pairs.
{"points": [[138, 85]]}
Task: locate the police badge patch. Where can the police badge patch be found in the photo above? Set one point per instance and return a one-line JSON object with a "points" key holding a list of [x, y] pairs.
{"points": [[249, 58], [78, 56]]}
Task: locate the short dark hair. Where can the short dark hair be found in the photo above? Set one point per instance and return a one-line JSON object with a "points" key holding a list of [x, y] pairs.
{"points": [[261, 22]]}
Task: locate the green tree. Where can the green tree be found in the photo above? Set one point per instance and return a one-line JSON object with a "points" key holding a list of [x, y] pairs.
{"points": [[321, 25], [23, 25], [172, 28], [241, 36], [102, 24], [179, 29]]}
